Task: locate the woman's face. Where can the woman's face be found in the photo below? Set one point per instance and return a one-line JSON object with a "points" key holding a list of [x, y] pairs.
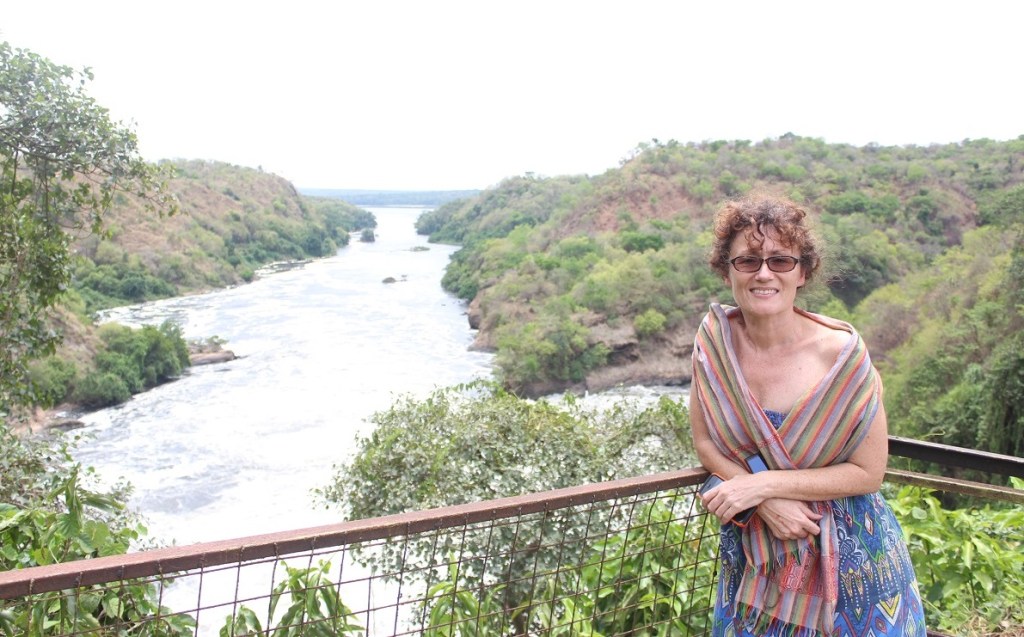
{"points": [[764, 291]]}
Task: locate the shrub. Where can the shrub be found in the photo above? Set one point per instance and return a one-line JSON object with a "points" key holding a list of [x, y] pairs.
{"points": [[101, 390], [551, 349], [51, 379], [969, 561], [650, 322], [50, 514], [633, 241], [134, 360], [122, 366]]}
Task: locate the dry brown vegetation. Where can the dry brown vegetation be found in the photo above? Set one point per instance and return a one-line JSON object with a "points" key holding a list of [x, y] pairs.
{"points": [[217, 202]]}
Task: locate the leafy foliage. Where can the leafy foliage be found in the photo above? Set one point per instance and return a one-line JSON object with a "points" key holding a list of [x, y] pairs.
{"points": [[948, 342], [134, 360], [48, 515], [52, 379], [969, 562], [477, 442], [501, 445], [128, 361], [454, 611], [551, 348], [109, 285], [62, 163], [315, 608]]}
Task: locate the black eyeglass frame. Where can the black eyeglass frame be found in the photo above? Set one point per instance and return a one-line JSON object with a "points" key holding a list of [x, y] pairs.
{"points": [[776, 259]]}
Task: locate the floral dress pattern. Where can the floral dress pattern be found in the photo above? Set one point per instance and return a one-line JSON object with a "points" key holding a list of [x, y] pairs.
{"points": [[878, 592]]}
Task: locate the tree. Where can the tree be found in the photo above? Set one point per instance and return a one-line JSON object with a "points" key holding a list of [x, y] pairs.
{"points": [[62, 160], [478, 442]]}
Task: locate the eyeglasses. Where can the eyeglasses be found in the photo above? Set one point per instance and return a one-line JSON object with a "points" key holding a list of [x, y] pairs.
{"points": [[753, 264]]}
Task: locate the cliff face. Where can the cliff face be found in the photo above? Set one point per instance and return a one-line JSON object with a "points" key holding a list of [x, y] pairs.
{"points": [[660, 360], [664, 360]]}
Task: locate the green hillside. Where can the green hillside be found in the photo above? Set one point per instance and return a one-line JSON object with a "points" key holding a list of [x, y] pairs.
{"points": [[585, 282], [231, 221]]}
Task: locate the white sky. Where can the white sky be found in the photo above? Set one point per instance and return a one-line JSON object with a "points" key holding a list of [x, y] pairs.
{"points": [[445, 94]]}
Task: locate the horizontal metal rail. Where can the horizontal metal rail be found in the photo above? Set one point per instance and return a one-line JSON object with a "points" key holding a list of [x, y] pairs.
{"points": [[173, 559], [950, 456], [569, 561], [955, 485]]}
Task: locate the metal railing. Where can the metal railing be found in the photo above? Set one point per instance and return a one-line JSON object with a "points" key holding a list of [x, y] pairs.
{"points": [[633, 556], [569, 561]]}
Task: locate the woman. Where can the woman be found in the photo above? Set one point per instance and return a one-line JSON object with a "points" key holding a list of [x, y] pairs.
{"points": [[786, 407]]}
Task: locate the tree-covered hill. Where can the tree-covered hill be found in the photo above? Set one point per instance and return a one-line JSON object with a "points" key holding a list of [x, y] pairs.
{"points": [[581, 282], [231, 221]]}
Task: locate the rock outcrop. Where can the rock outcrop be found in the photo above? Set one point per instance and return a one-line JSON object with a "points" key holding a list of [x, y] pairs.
{"points": [[209, 358], [664, 359]]}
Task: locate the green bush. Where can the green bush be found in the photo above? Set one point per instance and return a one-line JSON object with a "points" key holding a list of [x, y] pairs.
{"points": [[166, 353], [650, 322], [101, 389], [549, 349], [109, 285], [969, 561], [122, 366], [52, 379], [633, 241], [503, 445], [48, 515], [134, 360]]}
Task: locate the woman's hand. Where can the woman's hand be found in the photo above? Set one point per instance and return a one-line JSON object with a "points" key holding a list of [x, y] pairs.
{"points": [[789, 519], [786, 519], [733, 497]]}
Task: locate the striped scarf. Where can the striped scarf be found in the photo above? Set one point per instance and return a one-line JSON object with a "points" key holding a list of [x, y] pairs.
{"points": [[789, 587]]}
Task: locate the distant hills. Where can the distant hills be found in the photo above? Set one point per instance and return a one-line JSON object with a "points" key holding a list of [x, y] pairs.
{"points": [[391, 197]]}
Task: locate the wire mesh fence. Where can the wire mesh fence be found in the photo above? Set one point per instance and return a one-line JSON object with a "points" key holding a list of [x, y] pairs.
{"points": [[634, 556], [628, 557]]}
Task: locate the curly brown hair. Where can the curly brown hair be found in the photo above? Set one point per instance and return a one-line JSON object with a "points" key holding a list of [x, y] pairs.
{"points": [[756, 216]]}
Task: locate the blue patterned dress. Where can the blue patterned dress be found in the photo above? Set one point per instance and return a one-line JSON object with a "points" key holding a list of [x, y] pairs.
{"points": [[877, 587]]}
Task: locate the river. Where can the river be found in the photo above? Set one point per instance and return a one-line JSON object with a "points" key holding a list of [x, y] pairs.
{"points": [[235, 449]]}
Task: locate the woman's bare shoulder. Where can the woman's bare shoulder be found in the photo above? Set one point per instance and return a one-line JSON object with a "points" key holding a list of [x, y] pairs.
{"points": [[829, 340]]}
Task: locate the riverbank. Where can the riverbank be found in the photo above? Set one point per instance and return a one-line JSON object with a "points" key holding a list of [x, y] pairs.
{"points": [[67, 416]]}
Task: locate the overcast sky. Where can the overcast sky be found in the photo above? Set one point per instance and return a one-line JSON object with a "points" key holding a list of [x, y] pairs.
{"points": [[441, 94]]}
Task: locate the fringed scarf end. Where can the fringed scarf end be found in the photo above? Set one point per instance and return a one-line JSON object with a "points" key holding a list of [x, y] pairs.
{"points": [[757, 622]]}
